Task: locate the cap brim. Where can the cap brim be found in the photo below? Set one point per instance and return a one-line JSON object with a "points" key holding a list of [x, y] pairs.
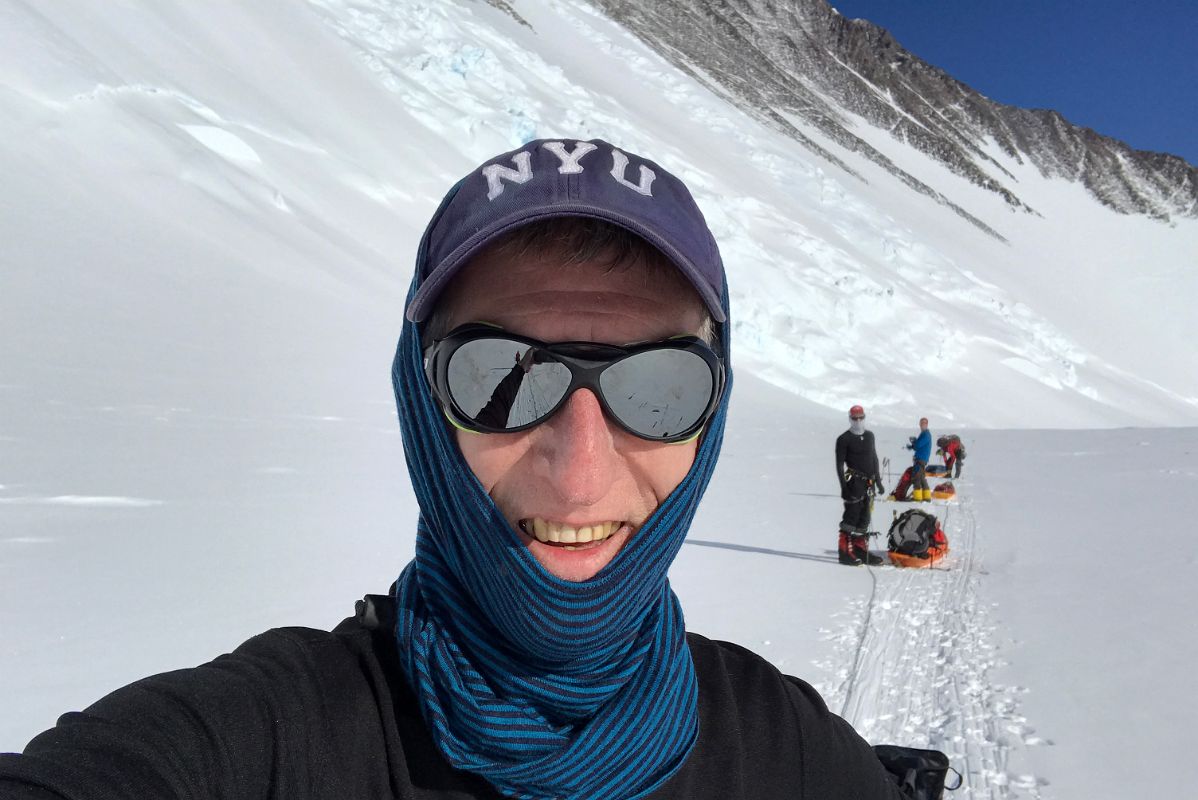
{"points": [[426, 296]]}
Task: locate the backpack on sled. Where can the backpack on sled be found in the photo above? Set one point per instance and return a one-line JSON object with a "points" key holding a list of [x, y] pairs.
{"points": [[916, 539], [944, 491], [902, 491]]}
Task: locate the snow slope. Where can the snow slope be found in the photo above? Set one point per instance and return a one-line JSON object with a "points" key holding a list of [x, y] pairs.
{"points": [[317, 138], [209, 217], [1048, 657]]}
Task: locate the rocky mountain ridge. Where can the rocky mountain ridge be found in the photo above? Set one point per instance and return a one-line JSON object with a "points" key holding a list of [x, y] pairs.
{"points": [[796, 62]]}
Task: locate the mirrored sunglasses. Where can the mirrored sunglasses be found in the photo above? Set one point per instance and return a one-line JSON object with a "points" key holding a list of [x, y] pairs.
{"points": [[491, 381]]}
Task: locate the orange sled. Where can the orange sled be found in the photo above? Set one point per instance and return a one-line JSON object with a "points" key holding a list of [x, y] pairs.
{"points": [[916, 531], [934, 555]]}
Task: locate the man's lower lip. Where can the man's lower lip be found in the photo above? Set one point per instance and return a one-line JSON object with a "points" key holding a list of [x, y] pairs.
{"points": [[573, 547]]}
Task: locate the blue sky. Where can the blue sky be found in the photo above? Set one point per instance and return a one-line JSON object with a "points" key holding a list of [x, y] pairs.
{"points": [[1126, 69]]}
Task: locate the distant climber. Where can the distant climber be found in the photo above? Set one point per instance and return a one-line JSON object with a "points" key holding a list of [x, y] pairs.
{"points": [[922, 445], [860, 478], [953, 451]]}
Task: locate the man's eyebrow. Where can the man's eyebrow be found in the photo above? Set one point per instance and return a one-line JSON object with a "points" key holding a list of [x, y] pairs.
{"points": [[625, 344], [669, 338]]}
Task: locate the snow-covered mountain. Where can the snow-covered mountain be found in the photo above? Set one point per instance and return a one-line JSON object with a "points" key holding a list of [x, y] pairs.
{"points": [[863, 268], [800, 62]]}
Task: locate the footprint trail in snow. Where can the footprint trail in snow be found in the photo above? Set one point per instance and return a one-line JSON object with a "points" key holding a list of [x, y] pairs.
{"points": [[910, 666]]}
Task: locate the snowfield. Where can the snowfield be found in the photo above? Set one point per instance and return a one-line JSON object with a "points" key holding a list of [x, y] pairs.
{"points": [[209, 219]]}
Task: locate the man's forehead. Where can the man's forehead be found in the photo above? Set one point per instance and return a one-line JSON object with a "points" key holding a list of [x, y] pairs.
{"points": [[514, 290], [548, 267]]}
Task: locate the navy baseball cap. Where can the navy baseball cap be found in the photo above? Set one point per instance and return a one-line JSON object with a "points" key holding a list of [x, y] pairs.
{"points": [[550, 178]]}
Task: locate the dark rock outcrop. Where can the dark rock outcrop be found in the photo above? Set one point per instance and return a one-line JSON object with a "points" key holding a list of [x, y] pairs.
{"points": [[788, 61]]}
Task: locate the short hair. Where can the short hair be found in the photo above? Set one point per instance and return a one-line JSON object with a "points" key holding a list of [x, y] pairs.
{"points": [[578, 240]]}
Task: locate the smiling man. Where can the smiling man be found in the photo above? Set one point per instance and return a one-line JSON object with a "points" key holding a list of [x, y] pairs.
{"points": [[575, 487], [562, 382]]}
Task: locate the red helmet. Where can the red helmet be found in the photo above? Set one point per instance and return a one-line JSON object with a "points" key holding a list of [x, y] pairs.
{"points": [[856, 412]]}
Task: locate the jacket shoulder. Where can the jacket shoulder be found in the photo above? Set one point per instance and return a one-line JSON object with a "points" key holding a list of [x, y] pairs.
{"points": [[265, 720], [751, 682], [775, 732]]}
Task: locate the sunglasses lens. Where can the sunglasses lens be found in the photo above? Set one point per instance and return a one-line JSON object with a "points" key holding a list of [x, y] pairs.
{"points": [[491, 386], [658, 393]]}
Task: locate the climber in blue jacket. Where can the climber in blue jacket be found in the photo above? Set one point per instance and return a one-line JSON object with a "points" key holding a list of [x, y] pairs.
{"points": [[922, 445]]}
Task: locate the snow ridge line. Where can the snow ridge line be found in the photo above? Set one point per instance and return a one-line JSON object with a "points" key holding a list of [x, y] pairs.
{"points": [[911, 666]]}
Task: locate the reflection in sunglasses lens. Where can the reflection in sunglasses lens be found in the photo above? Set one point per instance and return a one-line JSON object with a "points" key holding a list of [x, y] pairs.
{"points": [[658, 393], [491, 385]]}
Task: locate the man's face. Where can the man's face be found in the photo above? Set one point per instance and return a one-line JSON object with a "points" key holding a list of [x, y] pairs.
{"points": [[577, 469], [923, 424]]}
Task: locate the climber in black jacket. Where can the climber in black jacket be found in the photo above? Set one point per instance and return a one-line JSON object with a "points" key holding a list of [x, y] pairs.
{"points": [[860, 479]]}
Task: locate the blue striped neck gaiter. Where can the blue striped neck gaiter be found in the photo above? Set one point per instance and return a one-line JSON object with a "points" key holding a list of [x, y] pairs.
{"points": [[546, 688]]}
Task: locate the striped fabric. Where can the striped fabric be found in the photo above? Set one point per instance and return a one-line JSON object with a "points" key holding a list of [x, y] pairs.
{"points": [[546, 688]]}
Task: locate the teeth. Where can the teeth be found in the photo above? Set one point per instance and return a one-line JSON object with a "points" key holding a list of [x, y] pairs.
{"points": [[559, 533]]}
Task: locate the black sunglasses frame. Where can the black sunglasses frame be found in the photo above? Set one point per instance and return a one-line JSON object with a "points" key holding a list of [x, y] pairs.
{"points": [[586, 362]]}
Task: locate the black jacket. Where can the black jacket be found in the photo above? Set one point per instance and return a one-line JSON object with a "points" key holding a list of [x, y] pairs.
{"points": [[858, 454], [297, 713]]}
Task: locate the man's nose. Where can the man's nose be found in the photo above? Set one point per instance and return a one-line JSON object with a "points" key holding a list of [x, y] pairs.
{"points": [[578, 449]]}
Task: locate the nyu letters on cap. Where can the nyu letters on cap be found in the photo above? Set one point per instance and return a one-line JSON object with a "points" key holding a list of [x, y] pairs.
{"points": [[548, 178]]}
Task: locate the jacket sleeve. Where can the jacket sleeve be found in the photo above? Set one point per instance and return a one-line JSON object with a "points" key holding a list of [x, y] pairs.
{"points": [[218, 730], [768, 736], [836, 761], [499, 407], [873, 452], [842, 452]]}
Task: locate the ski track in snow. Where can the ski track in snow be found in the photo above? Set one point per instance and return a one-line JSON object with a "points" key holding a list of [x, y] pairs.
{"points": [[94, 501], [910, 666]]}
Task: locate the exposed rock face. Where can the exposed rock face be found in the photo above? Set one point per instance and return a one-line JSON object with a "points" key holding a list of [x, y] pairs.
{"points": [[503, 6], [800, 60]]}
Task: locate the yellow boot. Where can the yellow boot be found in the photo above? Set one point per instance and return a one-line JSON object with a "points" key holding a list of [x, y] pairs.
{"points": [[917, 495]]}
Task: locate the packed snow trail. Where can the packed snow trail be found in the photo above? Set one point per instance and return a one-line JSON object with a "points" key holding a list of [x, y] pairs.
{"points": [[911, 663]]}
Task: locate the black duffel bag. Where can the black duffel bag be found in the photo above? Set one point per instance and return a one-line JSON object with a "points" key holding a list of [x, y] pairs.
{"points": [[919, 774]]}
